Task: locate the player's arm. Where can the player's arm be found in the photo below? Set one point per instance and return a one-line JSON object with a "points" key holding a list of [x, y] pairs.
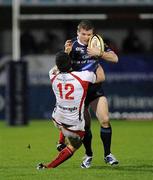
{"points": [[100, 74], [109, 56], [106, 55], [54, 70], [68, 46]]}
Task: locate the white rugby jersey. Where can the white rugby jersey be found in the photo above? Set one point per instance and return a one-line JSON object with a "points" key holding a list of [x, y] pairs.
{"points": [[70, 90]]}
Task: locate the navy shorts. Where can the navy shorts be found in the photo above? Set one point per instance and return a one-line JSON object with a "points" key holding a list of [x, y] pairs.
{"points": [[94, 91]]}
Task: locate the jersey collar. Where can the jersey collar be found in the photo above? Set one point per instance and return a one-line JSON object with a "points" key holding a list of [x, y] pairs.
{"points": [[80, 42]]}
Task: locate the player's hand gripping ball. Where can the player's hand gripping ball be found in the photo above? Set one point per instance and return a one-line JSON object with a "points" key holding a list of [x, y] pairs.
{"points": [[96, 41]]}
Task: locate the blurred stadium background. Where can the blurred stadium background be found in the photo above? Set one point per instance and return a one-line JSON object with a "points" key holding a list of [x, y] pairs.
{"points": [[45, 25]]}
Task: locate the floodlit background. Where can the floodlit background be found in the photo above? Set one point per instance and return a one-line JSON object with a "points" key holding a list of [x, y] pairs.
{"points": [[44, 26], [37, 32]]}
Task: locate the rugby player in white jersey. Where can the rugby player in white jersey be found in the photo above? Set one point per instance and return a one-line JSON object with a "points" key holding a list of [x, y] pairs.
{"points": [[70, 88]]}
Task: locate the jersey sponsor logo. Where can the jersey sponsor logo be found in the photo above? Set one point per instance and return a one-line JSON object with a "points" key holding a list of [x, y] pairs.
{"points": [[63, 79], [86, 56], [68, 108], [84, 62]]}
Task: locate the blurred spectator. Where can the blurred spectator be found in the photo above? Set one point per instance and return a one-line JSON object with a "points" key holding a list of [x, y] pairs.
{"points": [[28, 43], [112, 45], [132, 44], [50, 44], [151, 47]]}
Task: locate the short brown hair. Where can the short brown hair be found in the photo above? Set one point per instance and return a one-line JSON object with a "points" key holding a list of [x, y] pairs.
{"points": [[85, 24], [63, 61]]}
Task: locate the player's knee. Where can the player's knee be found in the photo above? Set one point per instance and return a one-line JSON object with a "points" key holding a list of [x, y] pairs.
{"points": [[75, 142], [105, 121]]}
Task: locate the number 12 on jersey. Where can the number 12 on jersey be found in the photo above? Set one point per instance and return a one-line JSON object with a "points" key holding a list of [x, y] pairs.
{"points": [[69, 89]]}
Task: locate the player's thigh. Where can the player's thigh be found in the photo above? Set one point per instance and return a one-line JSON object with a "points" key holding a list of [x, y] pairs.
{"points": [[100, 107]]}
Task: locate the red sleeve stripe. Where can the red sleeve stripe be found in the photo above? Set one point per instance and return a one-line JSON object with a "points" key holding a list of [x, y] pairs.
{"points": [[53, 79]]}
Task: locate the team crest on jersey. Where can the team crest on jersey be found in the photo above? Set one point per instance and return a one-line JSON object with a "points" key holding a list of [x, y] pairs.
{"points": [[80, 49]]}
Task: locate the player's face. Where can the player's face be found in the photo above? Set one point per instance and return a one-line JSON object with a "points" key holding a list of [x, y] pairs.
{"points": [[84, 35]]}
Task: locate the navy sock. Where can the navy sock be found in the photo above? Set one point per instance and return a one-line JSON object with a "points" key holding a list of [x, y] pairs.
{"points": [[87, 142], [106, 134]]}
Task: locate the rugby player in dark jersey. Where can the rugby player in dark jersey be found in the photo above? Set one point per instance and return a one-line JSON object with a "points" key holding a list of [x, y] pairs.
{"points": [[83, 58]]}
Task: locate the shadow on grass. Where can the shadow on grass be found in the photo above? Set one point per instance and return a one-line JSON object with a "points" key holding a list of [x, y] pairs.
{"points": [[138, 168]]}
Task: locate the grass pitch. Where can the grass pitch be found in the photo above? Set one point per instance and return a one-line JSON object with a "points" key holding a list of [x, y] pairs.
{"points": [[22, 148]]}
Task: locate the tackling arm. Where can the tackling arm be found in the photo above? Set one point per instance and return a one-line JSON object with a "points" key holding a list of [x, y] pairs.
{"points": [[68, 46], [54, 70]]}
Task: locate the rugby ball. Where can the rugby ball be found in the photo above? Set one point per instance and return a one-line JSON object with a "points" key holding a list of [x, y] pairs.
{"points": [[96, 41]]}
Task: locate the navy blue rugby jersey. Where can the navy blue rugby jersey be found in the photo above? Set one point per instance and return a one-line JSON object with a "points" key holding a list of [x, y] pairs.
{"points": [[80, 59]]}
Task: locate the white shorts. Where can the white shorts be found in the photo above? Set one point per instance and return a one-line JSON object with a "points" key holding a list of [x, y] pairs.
{"points": [[72, 131]]}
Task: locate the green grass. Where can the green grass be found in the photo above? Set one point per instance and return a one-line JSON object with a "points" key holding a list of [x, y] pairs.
{"points": [[132, 144]]}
